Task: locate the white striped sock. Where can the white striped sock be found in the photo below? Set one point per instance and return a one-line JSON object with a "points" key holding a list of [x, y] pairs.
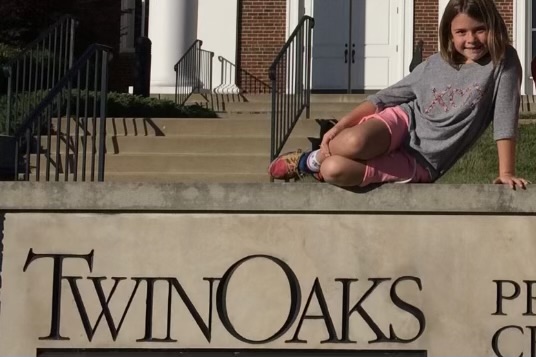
{"points": [[312, 162]]}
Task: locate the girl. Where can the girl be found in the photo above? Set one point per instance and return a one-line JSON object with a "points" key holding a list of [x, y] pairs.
{"points": [[415, 130]]}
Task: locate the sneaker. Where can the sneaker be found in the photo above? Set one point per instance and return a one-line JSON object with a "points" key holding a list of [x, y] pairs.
{"points": [[285, 166]]}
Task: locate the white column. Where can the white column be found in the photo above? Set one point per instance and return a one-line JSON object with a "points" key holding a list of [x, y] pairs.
{"points": [[217, 27], [172, 30], [442, 5], [295, 11], [522, 41], [408, 40]]}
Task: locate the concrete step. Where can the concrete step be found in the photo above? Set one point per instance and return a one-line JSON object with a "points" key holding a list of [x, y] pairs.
{"points": [[233, 125], [175, 163], [259, 107], [200, 144], [249, 145], [267, 98], [315, 114], [166, 177]]}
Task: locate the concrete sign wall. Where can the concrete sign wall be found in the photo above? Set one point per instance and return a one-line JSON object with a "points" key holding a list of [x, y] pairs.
{"points": [[426, 283]]}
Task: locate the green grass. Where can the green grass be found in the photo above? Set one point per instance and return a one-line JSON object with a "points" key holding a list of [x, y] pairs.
{"points": [[480, 164]]}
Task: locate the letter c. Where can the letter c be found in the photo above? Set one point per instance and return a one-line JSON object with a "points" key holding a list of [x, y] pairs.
{"points": [[495, 341]]}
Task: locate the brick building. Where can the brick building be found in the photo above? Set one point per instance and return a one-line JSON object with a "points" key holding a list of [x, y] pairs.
{"points": [[357, 44]]}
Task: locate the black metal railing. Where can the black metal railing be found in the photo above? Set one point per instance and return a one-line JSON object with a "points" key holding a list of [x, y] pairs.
{"points": [[290, 74], [67, 129], [238, 80], [193, 73], [417, 55], [36, 70]]}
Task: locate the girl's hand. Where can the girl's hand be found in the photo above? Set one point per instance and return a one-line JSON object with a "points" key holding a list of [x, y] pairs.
{"points": [[328, 136], [512, 181]]}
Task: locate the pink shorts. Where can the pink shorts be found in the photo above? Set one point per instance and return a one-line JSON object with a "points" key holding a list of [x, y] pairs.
{"points": [[397, 165]]}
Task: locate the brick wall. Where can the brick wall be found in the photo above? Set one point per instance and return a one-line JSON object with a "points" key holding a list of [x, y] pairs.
{"points": [[426, 22], [425, 25], [261, 34], [506, 8]]}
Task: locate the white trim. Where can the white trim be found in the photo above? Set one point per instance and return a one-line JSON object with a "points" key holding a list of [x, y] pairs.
{"points": [[308, 7], [408, 40], [522, 41], [295, 11], [441, 9]]}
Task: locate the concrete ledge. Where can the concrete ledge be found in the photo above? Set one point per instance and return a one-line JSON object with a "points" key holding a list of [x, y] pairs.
{"points": [[275, 197]]}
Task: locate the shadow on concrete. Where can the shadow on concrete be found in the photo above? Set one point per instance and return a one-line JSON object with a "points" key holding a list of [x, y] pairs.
{"points": [[2, 218]]}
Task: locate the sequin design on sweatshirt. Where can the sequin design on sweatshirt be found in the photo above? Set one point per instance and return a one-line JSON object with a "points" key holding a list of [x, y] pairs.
{"points": [[451, 97]]}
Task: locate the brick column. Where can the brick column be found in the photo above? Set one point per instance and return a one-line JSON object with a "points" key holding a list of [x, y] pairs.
{"points": [[426, 25], [506, 8], [261, 34]]}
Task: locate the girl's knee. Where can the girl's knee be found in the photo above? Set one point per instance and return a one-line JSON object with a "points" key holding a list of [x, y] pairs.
{"points": [[330, 169], [350, 142], [335, 170]]}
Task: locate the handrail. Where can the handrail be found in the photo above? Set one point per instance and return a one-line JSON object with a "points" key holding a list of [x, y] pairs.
{"points": [[193, 72], [76, 102], [238, 80], [290, 74], [417, 55], [37, 68]]}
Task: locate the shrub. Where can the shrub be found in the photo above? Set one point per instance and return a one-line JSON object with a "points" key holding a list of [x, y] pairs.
{"points": [[118, 105], [128, 105]]}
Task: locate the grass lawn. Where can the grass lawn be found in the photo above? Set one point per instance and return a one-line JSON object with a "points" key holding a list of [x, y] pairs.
{"points": [[480, 164]]}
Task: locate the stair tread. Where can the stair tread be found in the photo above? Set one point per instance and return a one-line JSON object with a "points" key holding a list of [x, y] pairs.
{"points": [[257, 155]]}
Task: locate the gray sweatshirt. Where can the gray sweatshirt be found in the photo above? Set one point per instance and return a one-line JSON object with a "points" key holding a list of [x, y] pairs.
{"points": [[450, 108]]}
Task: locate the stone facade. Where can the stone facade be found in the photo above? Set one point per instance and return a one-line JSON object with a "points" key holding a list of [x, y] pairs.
{"points": [[407, 270]]}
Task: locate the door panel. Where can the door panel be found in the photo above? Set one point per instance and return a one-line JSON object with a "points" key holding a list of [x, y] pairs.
{"points": [[374, 32], [377, 58], [330, 35], [374, 75]]}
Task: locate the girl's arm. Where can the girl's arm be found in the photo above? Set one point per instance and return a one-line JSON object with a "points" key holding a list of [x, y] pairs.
{"points": [[349, 120], [506, 149], [398, 93]]}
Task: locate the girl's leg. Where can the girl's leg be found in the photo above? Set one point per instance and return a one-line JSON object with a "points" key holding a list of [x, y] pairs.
{"points": [[342, 171], [364, 141], [375, 136], [396, 166]]}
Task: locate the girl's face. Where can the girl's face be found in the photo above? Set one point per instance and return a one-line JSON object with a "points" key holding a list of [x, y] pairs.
{"points": [[469, 37]]}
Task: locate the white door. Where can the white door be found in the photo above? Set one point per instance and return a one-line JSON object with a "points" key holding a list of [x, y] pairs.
{"points": [[357, 44], [330, 44]]}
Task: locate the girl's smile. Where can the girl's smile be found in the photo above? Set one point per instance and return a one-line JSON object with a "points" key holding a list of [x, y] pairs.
{"points": [[469, 37]]}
